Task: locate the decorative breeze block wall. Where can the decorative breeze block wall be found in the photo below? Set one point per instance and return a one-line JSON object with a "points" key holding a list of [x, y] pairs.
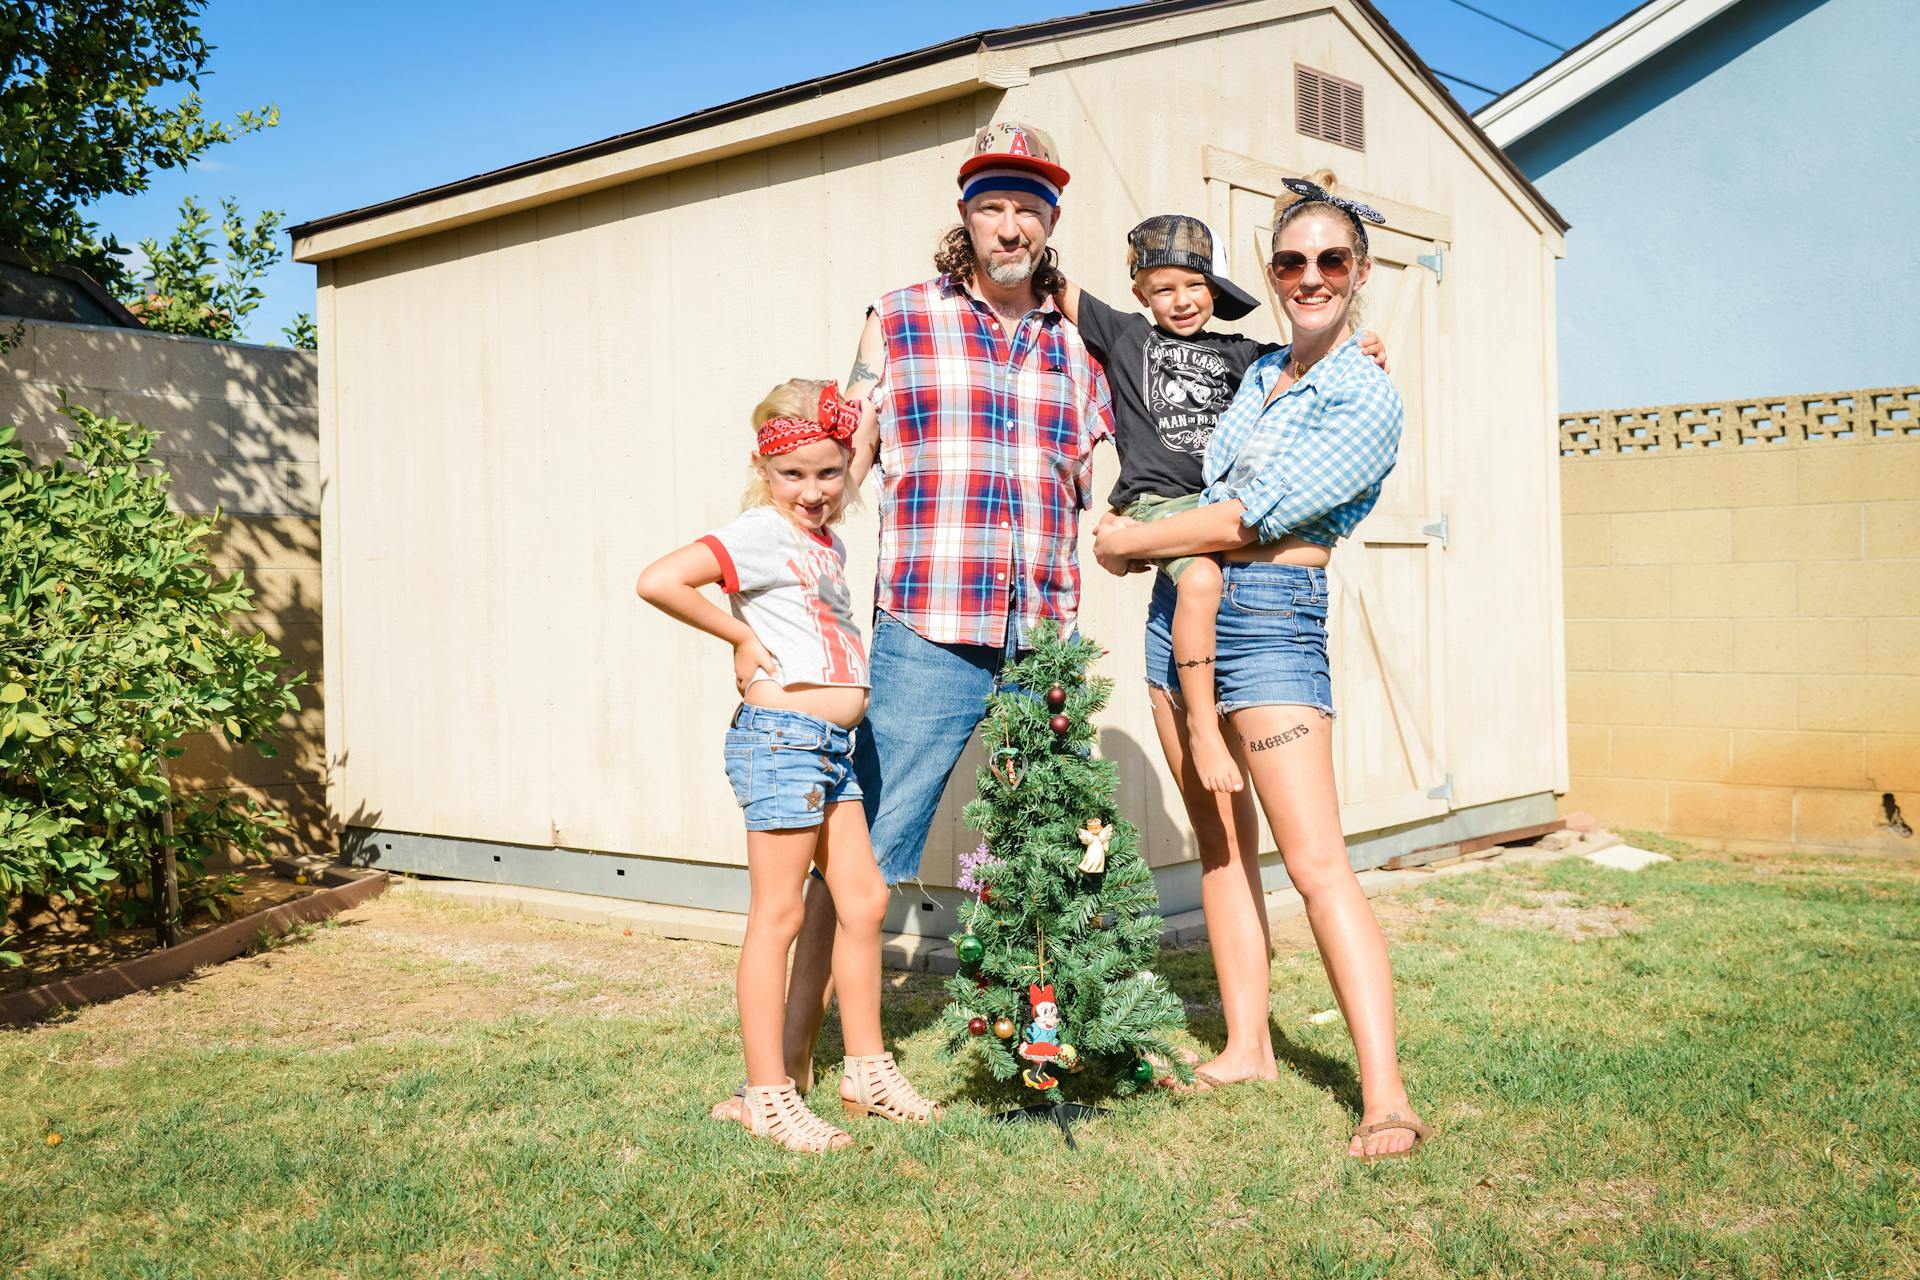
{"points": [[1743, 619], [1836, 417]]}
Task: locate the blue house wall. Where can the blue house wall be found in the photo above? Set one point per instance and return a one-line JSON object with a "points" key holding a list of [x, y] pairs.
{"points": [[1744, 209]]}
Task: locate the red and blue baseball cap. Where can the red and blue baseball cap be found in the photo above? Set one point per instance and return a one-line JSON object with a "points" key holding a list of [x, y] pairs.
{"points": [[1010, 156]]}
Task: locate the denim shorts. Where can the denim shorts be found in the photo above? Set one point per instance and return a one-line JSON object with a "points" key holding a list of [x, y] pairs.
{"points": [[786, 767], [1271, 642]]}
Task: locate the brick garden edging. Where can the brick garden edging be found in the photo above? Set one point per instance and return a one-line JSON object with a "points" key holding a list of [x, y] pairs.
{"points": [[176, 962]]}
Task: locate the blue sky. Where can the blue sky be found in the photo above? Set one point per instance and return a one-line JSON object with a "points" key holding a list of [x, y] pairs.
{"points": [[378, 100]]}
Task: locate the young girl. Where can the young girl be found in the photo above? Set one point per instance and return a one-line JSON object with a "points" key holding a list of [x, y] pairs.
{"points": [[802, 672]]}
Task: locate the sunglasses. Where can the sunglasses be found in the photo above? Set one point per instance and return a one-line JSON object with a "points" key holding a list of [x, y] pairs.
{"points": [[1334, 264]]}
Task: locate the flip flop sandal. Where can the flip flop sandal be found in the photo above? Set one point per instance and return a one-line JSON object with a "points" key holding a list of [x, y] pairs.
{"points": [[1419, 1131]]}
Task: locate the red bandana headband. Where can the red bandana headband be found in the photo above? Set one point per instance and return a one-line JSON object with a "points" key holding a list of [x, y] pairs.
{"points": [[836, 419]]}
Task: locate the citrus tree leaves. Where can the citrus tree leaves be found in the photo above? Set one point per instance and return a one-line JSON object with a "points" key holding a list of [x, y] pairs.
{"points": [[118, 639]]}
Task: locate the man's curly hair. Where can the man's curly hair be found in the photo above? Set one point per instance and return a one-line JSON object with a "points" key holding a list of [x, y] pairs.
{"points": [[954, 257]]}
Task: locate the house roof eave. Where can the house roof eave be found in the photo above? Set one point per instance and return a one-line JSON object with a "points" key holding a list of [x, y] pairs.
{"points": [[1591, 65]]}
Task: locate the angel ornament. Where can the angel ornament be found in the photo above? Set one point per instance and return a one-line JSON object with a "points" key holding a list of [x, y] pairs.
{"points": [[1094, 836]]}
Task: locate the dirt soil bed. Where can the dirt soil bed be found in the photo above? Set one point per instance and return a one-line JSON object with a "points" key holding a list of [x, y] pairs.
{"points": [[61, 943]]}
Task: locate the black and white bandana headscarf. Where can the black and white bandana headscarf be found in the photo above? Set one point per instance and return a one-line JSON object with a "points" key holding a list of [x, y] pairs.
{"points": [[1359, 214]]}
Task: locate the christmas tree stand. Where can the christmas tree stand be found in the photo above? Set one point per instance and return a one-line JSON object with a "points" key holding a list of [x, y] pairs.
{"points": [[1060, 1113]]}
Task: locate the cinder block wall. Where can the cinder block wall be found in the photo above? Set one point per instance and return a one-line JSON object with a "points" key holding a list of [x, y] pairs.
{"points": [[238, 430], [1743, 642]]}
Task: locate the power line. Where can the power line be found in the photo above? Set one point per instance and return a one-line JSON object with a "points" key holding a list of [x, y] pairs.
{"points": [[1494, 17], [1448, 75]]}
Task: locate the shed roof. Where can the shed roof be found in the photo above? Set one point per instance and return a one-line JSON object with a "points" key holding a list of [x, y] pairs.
{"points": [[935, 73], [1593, 64], [61, 292]]}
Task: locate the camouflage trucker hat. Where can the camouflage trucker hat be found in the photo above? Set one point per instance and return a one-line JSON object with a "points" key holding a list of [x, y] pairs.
{"points": [[1176, 240]]}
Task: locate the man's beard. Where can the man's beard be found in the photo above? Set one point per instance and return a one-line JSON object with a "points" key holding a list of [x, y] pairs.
{"points": [[1008, 274]]}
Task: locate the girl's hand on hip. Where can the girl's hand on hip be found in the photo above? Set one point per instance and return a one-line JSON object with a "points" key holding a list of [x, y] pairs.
{"points": [[748, 656]]}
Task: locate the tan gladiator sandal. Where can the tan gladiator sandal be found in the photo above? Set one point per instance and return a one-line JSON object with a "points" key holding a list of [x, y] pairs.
{"points": [[775, 1112], [880, 1090]]}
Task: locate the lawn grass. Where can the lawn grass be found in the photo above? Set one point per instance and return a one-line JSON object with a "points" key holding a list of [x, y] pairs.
{"points": [[1706, 1069]]}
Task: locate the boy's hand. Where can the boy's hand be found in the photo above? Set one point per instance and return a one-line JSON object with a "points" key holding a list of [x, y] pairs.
{"points": [[1374, 349], [748, 655]]}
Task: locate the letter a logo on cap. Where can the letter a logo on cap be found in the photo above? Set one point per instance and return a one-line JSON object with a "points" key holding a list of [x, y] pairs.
{"points": [[1013, 144]]}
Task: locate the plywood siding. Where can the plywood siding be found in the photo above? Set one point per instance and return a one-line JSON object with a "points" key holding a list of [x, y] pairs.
{"points": [[528, 410]]}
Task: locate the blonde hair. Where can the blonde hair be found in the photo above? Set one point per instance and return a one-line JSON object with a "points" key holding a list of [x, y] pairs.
{"points": [[794, 398], [1292, 205]]}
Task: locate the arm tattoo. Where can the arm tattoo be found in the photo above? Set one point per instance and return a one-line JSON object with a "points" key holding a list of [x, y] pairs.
{"points": [[862, 371], [1278, 739], [1196, 662]]}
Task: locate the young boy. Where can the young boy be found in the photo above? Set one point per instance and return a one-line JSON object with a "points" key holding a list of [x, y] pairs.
{"points": [[1171, 379]]}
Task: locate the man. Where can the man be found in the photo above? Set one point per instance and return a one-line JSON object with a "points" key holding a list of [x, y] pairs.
{"points": [[986, 409]]}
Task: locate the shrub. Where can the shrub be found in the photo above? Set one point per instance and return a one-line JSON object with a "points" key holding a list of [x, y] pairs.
{"points": [[117, 639]]}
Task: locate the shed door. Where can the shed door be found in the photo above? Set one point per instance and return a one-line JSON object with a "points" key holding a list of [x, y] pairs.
{"points": [[1387, 622]]}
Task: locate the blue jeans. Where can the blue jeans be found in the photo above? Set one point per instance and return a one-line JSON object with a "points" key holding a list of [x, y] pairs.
{"points": [[927, 700]]}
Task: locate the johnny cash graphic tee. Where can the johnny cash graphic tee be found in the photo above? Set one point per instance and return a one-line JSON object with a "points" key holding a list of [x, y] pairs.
{"points": [[1168, 392]]}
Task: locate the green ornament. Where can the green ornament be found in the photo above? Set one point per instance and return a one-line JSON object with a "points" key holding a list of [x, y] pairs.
{"points": [[971, 950], [1142, 1071]]}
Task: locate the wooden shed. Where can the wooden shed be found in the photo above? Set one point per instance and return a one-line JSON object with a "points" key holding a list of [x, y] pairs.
{"points": [[535, 380]]}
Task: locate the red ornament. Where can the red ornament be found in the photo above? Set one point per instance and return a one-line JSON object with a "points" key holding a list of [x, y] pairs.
{"points": [[977, 1026], [986, 893], [1061, 725], [1056, 698]]}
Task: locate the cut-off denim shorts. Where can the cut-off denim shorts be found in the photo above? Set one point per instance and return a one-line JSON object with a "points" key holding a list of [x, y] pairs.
{"points": [[786, 767], [1271, 646]]}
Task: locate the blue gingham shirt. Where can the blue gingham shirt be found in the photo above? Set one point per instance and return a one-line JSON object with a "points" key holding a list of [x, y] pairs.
{"points": [[1311, 463]]}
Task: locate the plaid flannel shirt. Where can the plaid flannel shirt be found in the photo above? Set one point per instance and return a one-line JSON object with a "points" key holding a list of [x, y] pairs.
{"points": [[1312, 462], [985, 463]]}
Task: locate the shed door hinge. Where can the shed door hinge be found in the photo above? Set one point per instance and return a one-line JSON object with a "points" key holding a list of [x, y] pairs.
{"points": [[1435, 262], [1438, 529], [1444, 791]]}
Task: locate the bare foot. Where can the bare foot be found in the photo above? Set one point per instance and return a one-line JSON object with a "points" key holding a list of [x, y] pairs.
{"points": [[1211, 759], [1380, 1133], [1223, 1071]]}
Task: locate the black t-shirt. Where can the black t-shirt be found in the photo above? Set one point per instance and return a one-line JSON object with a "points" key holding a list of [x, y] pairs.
{"points": [[1168, 393]]}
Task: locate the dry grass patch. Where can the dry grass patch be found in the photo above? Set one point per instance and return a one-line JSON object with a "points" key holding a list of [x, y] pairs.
{"points": [[1564, 914]]}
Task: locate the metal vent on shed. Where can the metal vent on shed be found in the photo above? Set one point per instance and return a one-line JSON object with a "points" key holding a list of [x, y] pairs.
{"points": [[1330, 108]]}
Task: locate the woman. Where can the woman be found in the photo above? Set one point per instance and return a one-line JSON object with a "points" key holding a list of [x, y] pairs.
{"points": [[1294, 464]]}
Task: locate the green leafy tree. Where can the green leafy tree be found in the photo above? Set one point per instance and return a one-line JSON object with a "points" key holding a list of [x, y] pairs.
{"points": [[302, 333], [195, 292], [1038, 917], [117, 639], [89, 107]]}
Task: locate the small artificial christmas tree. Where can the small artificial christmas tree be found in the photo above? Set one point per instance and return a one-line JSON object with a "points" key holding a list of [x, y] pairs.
{"points": [[1055, 951]]}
